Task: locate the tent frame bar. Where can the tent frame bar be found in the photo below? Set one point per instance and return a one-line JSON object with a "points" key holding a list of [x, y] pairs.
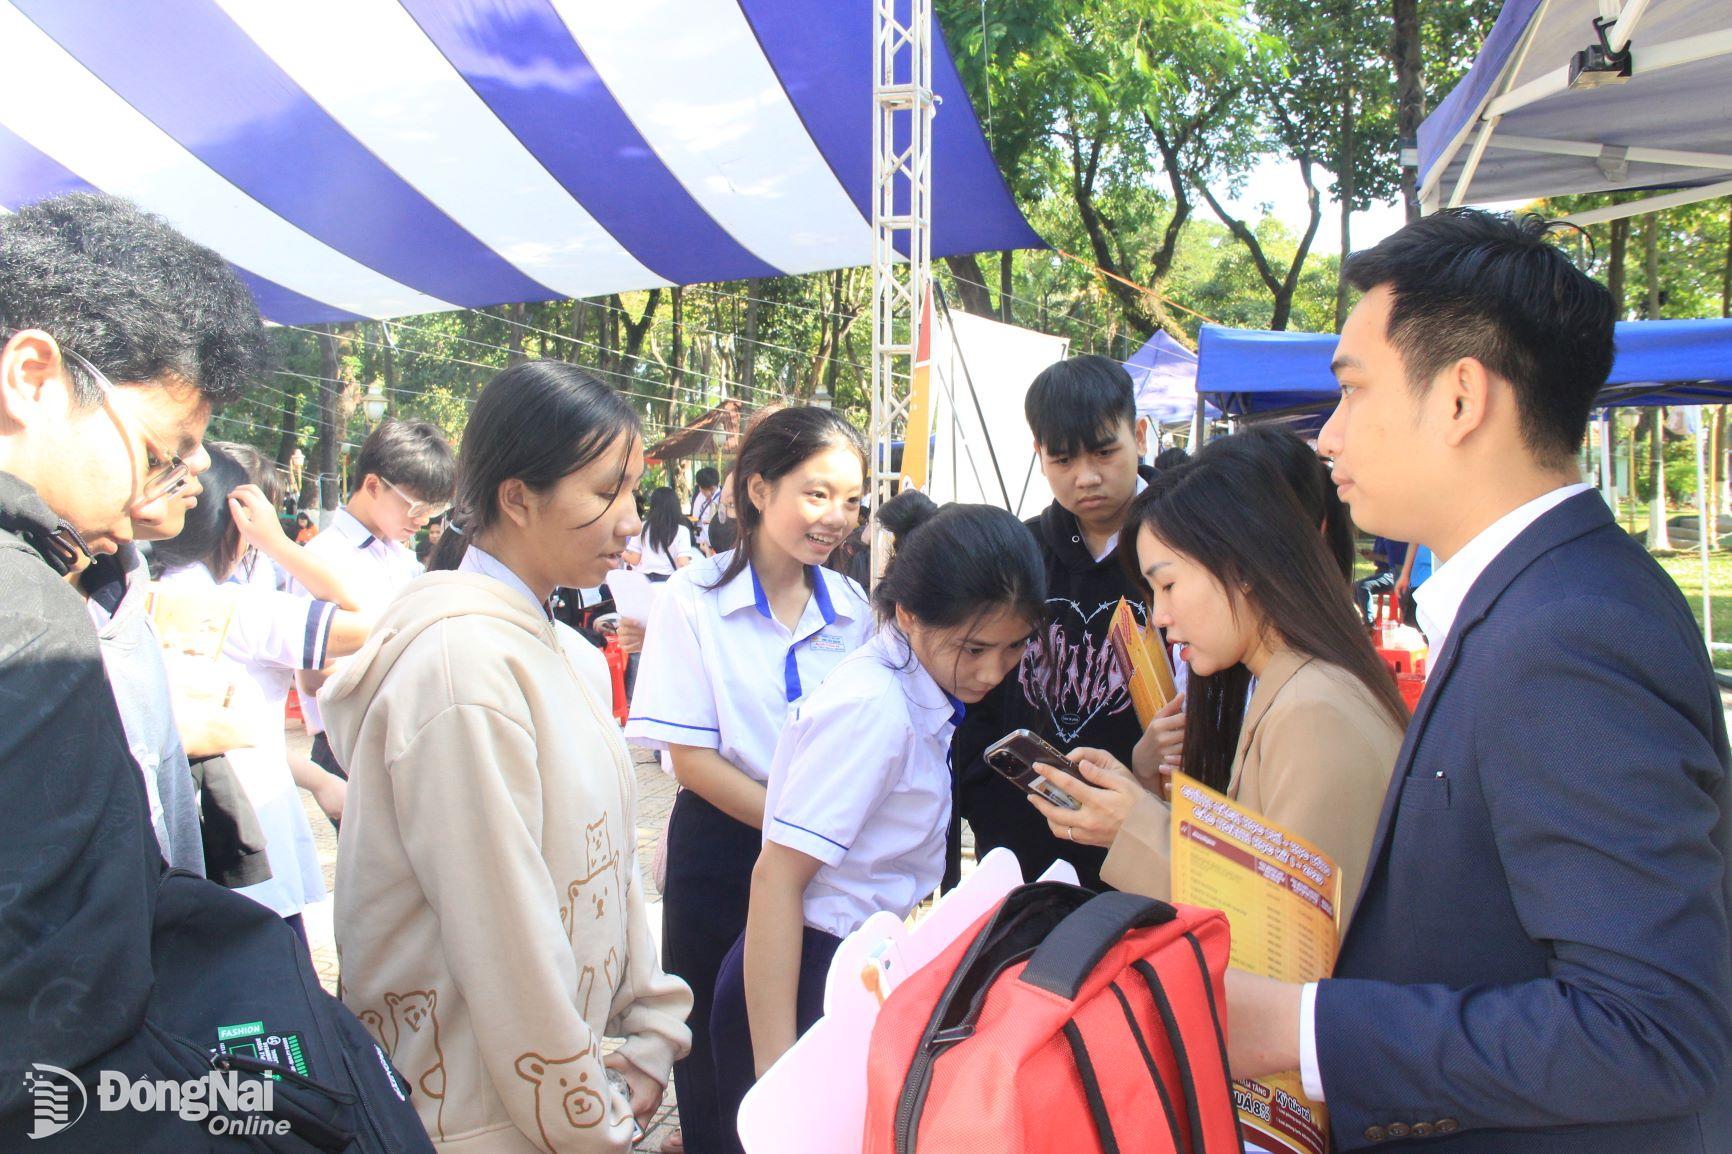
{"points": [[1644, 61], [1717, 161], [1483, 128], [904, 103], [1650, 204]]}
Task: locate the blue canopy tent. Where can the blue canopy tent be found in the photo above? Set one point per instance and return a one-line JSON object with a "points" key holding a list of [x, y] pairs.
{"points": [[1576, 96], [1256, 375], [1164, 373], [379, 158]]}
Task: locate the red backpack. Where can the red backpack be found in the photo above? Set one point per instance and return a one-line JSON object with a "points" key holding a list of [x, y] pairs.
{"points": [[1063, 1021]]}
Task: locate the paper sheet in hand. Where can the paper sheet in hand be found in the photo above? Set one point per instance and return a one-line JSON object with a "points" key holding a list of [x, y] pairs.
{"points": [[634, 594], [1281, 895]]}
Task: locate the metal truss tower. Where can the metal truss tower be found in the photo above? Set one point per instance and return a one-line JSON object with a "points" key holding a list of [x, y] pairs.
{"points": [[901, 225]]}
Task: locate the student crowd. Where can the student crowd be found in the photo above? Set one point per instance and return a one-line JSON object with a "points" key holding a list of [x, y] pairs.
{"points": [[1535, 945]]}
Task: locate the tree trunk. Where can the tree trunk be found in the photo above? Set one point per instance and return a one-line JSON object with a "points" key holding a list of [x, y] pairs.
{"points": [[1616, 264], [1409, 94], [1658, 535], [971, 291], [1344, 188], [1726, 272], [1143, 310], [290, 413], [1006, 267], [1281, 288], [749, 354], [676, 370], [1717, 477], [514, 314], [330, 391]]}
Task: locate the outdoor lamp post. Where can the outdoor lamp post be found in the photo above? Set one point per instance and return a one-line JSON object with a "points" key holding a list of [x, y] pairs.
{"points": [[374, 404]]}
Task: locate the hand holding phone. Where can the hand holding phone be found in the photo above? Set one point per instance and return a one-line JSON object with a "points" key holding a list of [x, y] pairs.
{"points": [[1015, 756]]}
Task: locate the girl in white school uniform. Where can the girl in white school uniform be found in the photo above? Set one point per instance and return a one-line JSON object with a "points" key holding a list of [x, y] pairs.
{"points": [[223, 557], [734, 643], [860, 789]]}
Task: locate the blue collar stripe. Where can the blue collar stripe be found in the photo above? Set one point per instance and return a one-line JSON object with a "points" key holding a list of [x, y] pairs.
{"points": [[958, 710], [821, 594], [758, 598], [791, 674]]}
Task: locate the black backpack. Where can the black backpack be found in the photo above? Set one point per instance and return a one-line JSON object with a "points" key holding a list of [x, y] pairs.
{"points": [[236, 994]]}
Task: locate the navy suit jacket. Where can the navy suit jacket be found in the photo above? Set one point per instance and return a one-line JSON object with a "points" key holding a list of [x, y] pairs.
{"points": [[1540, 959]]}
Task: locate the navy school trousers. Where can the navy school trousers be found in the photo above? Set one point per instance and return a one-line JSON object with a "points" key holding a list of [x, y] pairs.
{"points": [[709, 881], [731, 1033]]}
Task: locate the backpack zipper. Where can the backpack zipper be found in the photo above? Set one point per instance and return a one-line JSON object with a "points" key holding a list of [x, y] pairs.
{"points": [[913, 1100]]}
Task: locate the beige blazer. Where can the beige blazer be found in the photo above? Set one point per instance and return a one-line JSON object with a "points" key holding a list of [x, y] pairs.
{"points": [[1314, 757]]}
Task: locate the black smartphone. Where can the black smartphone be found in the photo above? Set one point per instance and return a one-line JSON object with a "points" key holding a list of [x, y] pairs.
{"points": [[1015, 756]]}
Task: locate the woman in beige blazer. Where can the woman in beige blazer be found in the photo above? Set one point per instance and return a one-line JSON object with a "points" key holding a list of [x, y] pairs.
{"points": [[1242, 582]]}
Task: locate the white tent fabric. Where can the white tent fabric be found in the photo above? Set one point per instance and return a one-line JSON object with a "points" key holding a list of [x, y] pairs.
{"points": [[1522, 123], [377, 158], [982, 449]]}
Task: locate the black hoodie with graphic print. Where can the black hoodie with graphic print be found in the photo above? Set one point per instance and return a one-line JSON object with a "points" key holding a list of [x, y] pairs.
{"points": [[1068, 690]]}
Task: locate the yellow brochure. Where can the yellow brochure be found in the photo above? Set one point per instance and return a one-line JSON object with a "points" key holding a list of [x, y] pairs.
{"points": [[1280, 894]]}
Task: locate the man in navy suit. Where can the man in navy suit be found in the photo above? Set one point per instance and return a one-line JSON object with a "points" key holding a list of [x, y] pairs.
{"points": [[1541, 958]]}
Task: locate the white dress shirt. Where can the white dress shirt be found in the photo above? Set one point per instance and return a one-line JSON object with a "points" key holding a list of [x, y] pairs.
{"points": [[269, 636], [720, 672], [861, 782], [1438, 601], [383, 568], [477, 560]]}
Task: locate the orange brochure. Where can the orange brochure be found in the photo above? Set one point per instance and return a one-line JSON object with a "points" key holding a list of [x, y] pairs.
{"points": [[1142, 660], [1281, 895]]}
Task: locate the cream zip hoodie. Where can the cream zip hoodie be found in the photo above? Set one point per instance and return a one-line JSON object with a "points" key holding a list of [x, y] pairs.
{"points": [[490, 915]]}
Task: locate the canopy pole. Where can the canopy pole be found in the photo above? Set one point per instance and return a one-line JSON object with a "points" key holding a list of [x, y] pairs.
{"points": [[1707, 526], [903, 99], [1607, 477]]}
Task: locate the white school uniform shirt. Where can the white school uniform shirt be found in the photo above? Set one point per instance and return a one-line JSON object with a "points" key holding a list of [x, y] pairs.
{"points": [[703, 507], [270, 636], [381, 568], [720, 672], [861, 781], [659, 560]]}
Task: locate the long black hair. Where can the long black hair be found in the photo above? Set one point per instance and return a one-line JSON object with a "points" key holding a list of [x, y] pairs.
{"points": [[777, 443], [1308, 477], [210, 535], [538, 422], [663, 523], [1236, 516], [1001, 567]]}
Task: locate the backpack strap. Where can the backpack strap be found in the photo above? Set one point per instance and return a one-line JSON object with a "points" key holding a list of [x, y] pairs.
{"points": [[1063, 962]]}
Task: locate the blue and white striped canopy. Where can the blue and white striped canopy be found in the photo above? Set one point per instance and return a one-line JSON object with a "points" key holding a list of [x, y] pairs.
{"points": [[380, 158]]}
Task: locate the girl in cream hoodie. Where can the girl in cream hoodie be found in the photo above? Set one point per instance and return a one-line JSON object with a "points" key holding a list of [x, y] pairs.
{"points": [[490, 915]]}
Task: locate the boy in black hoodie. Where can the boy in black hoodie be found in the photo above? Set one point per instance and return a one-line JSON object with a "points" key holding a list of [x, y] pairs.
{"points": [[1068, 689]]}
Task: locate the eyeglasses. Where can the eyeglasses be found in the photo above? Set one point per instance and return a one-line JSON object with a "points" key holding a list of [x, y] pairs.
{"points": [[418, 509], [166, 473]]}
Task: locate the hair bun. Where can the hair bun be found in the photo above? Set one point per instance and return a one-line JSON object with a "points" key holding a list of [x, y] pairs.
{"points": [[906, 512]]}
